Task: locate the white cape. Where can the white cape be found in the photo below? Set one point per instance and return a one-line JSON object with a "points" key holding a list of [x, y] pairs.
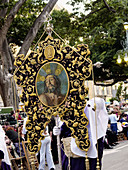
{"points": [[102, 122]]}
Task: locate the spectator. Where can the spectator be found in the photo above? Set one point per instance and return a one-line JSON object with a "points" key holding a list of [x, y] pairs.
{"points": [[111, 137], [20, 129], [16, 115], [46, 150], [113, 121], [124, 123], [123, 118], [24, 130], [116, 108], [13, 136], [11, 119]]}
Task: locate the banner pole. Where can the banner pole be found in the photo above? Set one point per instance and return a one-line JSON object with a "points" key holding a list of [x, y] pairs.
{"points": [[58, 144]]}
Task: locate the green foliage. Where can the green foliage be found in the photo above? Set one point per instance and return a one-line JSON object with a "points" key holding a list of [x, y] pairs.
{"points": [[119, 92], [112, 99], [104, 33], [102, 30], [125, 95], [24, 20], [61, 22], [4, 5]]}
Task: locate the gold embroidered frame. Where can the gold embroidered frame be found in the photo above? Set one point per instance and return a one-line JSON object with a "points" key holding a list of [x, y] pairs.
{"points": [[31, 71]]}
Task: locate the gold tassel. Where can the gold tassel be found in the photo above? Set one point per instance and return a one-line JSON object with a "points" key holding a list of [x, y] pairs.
{"points": [[98, 164], [32, 161], [69, 163], [22, 167], [87, 162]]}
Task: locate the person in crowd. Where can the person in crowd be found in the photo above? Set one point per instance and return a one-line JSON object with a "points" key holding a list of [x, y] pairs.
{"points": [[13, 136], [20, 129], [124, 107], [11, 147], [15, 128], [111, 138], [113, 121], [123, 118], [5, 163], [108, 108], [102, 122], [11, 118], [116, 108], [16, 115], [24, 130], [124, 124], [6, 125], [46, 150], [106, 144]]}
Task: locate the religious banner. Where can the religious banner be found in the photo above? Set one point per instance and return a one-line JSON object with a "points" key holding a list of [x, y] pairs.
{"points": [[52, 80]]}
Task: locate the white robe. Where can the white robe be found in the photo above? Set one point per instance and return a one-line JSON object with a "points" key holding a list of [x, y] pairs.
{"points": [[102, 122], [3, 146]]}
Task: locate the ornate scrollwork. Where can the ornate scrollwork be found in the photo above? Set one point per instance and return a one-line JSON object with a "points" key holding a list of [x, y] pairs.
{"points": [[70, 67]]}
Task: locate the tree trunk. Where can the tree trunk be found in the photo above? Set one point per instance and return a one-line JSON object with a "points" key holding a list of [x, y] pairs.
{"points": [[5, 83], [6, 90], [36, 26]]}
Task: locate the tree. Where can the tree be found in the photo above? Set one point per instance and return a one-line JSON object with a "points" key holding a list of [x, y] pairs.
{"points": [[8, 10], [101, 26], [119, 92], [125, 94]]}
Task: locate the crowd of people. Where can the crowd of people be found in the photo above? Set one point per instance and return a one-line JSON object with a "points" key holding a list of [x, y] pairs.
{"points": [[117, 124], [15, 133], [114, 116]]}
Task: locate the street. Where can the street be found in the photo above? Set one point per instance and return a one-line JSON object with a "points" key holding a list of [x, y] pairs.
{"points": [[114, 159]]}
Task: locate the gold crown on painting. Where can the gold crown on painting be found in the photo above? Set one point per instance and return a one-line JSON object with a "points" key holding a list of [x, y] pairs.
{"points": [[48, 70]]}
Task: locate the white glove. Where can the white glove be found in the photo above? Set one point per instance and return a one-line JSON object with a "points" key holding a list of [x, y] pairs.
{"points": [[56, 130]]}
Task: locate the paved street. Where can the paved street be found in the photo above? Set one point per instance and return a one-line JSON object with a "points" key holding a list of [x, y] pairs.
{"points": [[114, 159], [117, 158]]}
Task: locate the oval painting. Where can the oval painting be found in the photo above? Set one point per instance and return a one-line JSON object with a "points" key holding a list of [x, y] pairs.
{"points": [[52, 84]]}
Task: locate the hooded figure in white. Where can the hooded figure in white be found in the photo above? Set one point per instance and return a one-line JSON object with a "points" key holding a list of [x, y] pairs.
{"points": [[102, 122]]}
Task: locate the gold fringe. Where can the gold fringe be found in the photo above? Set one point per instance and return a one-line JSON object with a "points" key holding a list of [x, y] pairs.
{"points": [[32, 161], [69, 164], [22, 167], [98, 164], [87, 162]]}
